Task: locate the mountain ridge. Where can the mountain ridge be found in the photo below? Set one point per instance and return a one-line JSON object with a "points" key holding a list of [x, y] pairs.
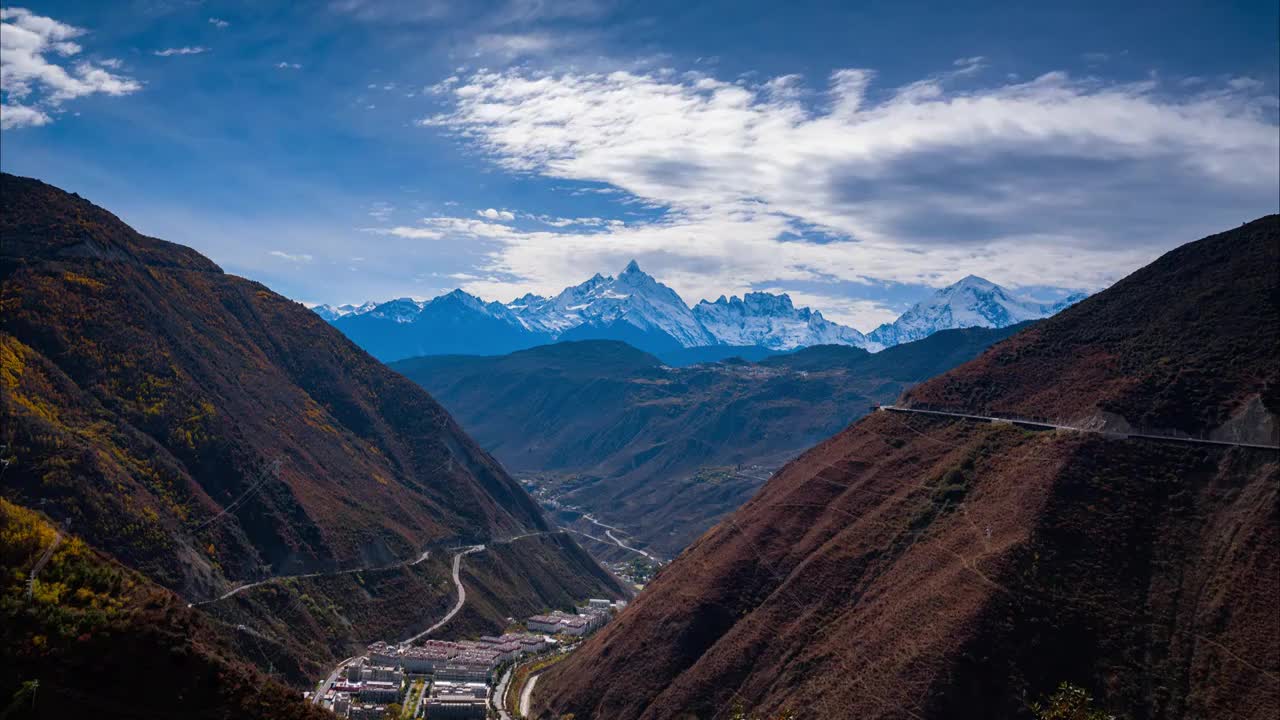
{"points": [[207, 432], [924, 567], [636, 308]]}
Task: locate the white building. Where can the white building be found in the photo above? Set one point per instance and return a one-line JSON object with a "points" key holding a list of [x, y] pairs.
{"points": [[575, 626], [380, 653], [341, 704], [544, 624], [379, 691], [463, 672]]}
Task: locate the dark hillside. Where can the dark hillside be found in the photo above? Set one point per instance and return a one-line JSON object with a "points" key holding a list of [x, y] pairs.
{"points": [[924, 567], [149, 393], [208, 432], [66, 634]]}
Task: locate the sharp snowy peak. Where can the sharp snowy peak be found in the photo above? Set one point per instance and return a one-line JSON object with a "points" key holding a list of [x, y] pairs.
{"points": [[333, 312], [771, 321], [401, 310], [461, 302], [633, 297], [972, 302]]}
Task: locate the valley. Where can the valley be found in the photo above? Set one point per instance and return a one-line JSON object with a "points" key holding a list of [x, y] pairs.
{"points": [[263, 477], [603, 360], [601, 429]]}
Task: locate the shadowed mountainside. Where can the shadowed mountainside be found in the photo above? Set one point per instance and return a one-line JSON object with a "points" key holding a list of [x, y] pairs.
{"points": [[304, 626], [66, 634], [150, 394], [924, 567], [664, 452], [207, 432]]}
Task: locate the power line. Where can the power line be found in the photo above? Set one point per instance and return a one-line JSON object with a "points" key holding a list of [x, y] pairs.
{"points": [[272, 471]]}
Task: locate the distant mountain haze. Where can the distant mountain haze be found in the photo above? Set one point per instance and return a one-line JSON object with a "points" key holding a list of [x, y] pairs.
{"points": [[637, 309]]}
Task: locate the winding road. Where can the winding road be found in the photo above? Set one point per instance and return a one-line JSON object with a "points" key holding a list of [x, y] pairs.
{"points": [[462, 599], [526, 695], [246, 586], [462, 594], [608, 531]]}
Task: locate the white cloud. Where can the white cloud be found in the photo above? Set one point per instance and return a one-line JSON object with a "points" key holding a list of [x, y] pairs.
{"points": [[969, 65], [16, 116], [855, 312], [442, 86], [34, 85], [566, 222], [185, 50], [1054, 181], [381, 210], [509, 46], [298, 258], [413, 233], [492, 214], [219, 23], [282, 65]]}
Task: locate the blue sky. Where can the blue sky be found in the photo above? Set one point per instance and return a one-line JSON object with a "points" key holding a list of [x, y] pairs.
{"points": [[855, 157]]}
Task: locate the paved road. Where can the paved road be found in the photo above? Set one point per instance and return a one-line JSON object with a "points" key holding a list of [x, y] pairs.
{"points": [[608, 531], [526, 695], [246, 586], [462, 599], [462, 594], [609, 534], [499, 697], [333, 677], [1055, 426]]}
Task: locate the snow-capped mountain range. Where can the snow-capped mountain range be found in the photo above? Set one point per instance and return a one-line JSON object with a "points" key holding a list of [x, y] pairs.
{"points": [[971, 302], [633, 297], [771, 321], [636, 308]]}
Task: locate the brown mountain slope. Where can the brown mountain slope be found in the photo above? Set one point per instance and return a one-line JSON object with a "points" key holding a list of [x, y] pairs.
{"points": [[1182, 345], [208, 432], [64, 633], [918, 567], [148, 392]]}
